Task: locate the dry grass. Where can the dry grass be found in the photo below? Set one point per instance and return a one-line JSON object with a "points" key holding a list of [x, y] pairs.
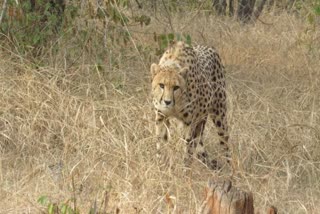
{"points": [[78, 130]]}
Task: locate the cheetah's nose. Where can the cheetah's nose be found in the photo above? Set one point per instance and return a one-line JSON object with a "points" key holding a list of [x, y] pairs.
{"points": [[167, 102]]}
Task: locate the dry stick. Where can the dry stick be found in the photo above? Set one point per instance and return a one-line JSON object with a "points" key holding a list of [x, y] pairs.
{"points": [[263, 22], [4, 8], [139, 4], [74, 195]]}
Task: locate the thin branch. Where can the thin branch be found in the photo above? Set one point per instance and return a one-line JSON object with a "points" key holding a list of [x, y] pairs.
{"points": [[168, 14], [4, 8], [192, 17], [139, 4]]}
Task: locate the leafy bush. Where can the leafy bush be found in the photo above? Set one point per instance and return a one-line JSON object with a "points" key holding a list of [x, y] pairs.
{"points": [[164, 40], [30, 27], [53, 208]]}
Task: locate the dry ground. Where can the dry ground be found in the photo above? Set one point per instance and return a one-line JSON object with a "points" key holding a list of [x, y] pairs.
{"points": [[78, 130]]}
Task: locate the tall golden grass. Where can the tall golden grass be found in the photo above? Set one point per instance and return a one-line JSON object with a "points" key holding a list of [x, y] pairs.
{"points": [[75, 130]]}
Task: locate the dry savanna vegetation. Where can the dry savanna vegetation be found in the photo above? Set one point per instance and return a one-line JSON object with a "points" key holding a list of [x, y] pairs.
{"points": [[77, 124]]}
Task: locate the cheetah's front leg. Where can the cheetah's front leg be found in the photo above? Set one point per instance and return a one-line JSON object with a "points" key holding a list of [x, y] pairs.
{"points": [[162, 126], [191, 143], [195, 143]]}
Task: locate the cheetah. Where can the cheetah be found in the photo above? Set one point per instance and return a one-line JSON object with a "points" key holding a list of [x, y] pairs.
{"points": [[189, 85]]}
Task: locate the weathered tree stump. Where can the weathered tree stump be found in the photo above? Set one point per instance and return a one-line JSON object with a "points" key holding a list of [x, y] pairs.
{"points": [[223, 198]]}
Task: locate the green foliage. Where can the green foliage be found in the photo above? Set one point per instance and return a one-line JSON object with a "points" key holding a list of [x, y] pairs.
{"points": [[71, 12], [30, 27], [69, 206], [309, 37], [113, 13], [118, 20], [314, 13], [317, 8], [143, 20], [43, 200], [53, 208], [164, 40]]}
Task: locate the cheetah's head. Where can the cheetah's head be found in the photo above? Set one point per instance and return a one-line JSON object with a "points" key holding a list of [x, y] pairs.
{"points": [[168, 88]]}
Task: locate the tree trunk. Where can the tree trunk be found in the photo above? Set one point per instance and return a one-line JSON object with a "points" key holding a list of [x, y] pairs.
{"points": [[231, 8], [259, 9], [245, 10], [223, 198], [220, 6]]}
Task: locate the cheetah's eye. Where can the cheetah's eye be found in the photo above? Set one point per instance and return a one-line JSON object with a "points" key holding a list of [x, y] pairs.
{"points": [[161, 85], [176, 88]]}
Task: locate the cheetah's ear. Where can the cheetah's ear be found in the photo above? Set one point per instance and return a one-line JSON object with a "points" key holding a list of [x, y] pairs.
{"points": [[154, 69], [183, 72]]}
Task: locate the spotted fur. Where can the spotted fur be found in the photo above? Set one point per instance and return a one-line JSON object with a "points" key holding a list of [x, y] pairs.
{"points": [[189, 84]]}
